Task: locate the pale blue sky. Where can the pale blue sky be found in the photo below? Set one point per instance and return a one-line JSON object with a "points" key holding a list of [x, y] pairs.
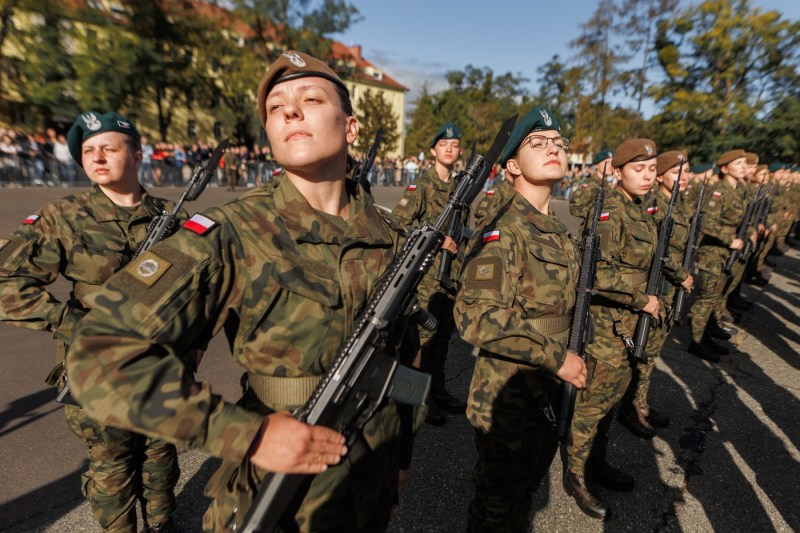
{"points": [[417, 41]]}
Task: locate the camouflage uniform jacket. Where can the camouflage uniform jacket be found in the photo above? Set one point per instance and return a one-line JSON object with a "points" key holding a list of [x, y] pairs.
{"points": [[86, 238], [723, 212], [520, 271], [423, 202], [627, 243], [286, 283], [583, 197], [673, 268], [492, 200]]}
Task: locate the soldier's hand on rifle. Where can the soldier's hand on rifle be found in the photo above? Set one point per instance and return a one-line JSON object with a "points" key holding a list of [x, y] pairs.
{"points": [[737, 244], [573, 370], [754, 238], [688, 283], [450, 245], [652, 306], [289, 446]]}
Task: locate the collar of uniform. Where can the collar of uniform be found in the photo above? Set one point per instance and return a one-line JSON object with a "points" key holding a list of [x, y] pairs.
{"points": [[364, 224], [546, 223], [432, 177], [106, 211]]}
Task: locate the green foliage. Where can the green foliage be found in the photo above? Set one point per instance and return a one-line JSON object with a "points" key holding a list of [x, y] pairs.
{"points": [[374, 112]]}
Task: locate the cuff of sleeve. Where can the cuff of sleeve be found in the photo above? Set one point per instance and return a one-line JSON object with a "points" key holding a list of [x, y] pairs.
{"points": [[640, 300], [231, 432], [555, 354]]}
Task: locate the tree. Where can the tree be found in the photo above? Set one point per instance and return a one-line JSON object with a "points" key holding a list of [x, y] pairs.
{"points": [[374, 112]]}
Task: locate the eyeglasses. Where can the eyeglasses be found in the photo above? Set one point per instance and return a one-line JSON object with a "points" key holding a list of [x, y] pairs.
{"points": [[540, 142]]}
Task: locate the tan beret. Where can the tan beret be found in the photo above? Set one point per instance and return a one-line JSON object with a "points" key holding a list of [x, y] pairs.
{"points": [[633, 150], [729, 156], [289, 66], [752, 158], [762, 168], [670, 159]]}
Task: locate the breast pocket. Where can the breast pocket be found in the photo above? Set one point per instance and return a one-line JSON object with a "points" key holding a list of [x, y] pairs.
{"points": [[546, 278], [640, 245], [96, 255]]}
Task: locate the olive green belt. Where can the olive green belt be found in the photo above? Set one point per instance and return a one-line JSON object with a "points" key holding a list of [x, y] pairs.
{"points": [[275, 390], [634, 278], [550, 325]]}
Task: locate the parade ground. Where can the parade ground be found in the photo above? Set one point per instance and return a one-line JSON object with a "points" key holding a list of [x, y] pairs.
{"points": [[729, 461]]}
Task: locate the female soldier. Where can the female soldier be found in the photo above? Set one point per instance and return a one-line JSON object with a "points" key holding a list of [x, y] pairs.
{"points": [[627, 243], [517, 295], [635, 413], [284, 270]]}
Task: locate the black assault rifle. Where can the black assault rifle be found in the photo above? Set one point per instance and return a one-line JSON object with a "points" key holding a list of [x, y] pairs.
{"points": [[762, 212], [654, 279], [741, 234], [362, 177], [363, 376], [681, 296], [159, 229], [581, 330]]}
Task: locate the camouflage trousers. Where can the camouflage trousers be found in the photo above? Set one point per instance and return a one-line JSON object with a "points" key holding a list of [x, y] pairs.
{"points": [[641, 373], [769, 242], [125, 467], [594, 405], [709, 284], [731, 284], [515, 450], [346, 497], [435, 344]]}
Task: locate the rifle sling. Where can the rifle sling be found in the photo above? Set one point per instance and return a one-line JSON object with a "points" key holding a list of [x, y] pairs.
{"points": [[282, 391]]}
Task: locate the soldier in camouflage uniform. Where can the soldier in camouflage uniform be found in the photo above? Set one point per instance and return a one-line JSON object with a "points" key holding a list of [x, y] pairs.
{"points": [[86, 238], [493, 199], [583, 197], [627, 244], [723, 212], [756, 275], [635, 411], [423, 201], [285, 270], [517, 294]]}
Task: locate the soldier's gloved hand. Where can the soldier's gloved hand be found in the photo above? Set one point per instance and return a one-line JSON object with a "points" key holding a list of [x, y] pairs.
{"points": [[652, 306], [289, 446], [573, 370], [688, 283]]}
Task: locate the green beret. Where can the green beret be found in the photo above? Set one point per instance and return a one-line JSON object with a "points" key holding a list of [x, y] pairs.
{"points": [[537, 119], [290, 66], [668, 160], [699, 169], [91, 123], [448, 131], [602, 155], [730, 156], [633, 150]]}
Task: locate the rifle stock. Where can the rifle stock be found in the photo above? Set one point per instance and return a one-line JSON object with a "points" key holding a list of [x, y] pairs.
{"points": [[741, 234], [682, 295]]}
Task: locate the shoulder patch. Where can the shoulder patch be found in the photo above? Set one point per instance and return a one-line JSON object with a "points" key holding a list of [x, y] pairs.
{"points": [[716, 194], [484, 273], [490, 192], [148, 268], [412, 188], [32, 219], [490, 236], [604, 216], [199, 224]]}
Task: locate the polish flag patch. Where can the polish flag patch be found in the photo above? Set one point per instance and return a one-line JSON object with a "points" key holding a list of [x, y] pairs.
{"points": [[652, 210], [603, 216], [584, 185], [490, 236], [412, 188], [490, 192], [199, 224], [31, 219], [716, 194], [277, 171]]}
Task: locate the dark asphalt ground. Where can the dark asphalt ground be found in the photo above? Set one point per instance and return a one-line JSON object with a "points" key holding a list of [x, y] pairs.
{"points": [[728, 462]]}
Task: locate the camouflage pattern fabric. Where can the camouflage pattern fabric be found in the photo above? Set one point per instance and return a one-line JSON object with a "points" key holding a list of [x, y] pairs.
{"points": [[521, 270], [87, 238], [627, 244], [723, 211], [492, 200], [284, 281], [583, 197]]}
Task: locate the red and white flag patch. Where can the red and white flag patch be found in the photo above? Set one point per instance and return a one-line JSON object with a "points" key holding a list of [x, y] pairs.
{"points": [[199, 224], [490, 192], [31, 219], [603, 216], [412, 188], [277, 171], [716, 194], [652, 210], [584, 185], [490, 236]]}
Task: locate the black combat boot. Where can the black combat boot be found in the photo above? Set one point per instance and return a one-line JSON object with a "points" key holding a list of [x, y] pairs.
{"points": [[757, 279], [703, 350], [167, 526], [590, 504], [602, 473], [738, 304], [714, 330], [435, 416], [633, 418], [440, 396]]}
